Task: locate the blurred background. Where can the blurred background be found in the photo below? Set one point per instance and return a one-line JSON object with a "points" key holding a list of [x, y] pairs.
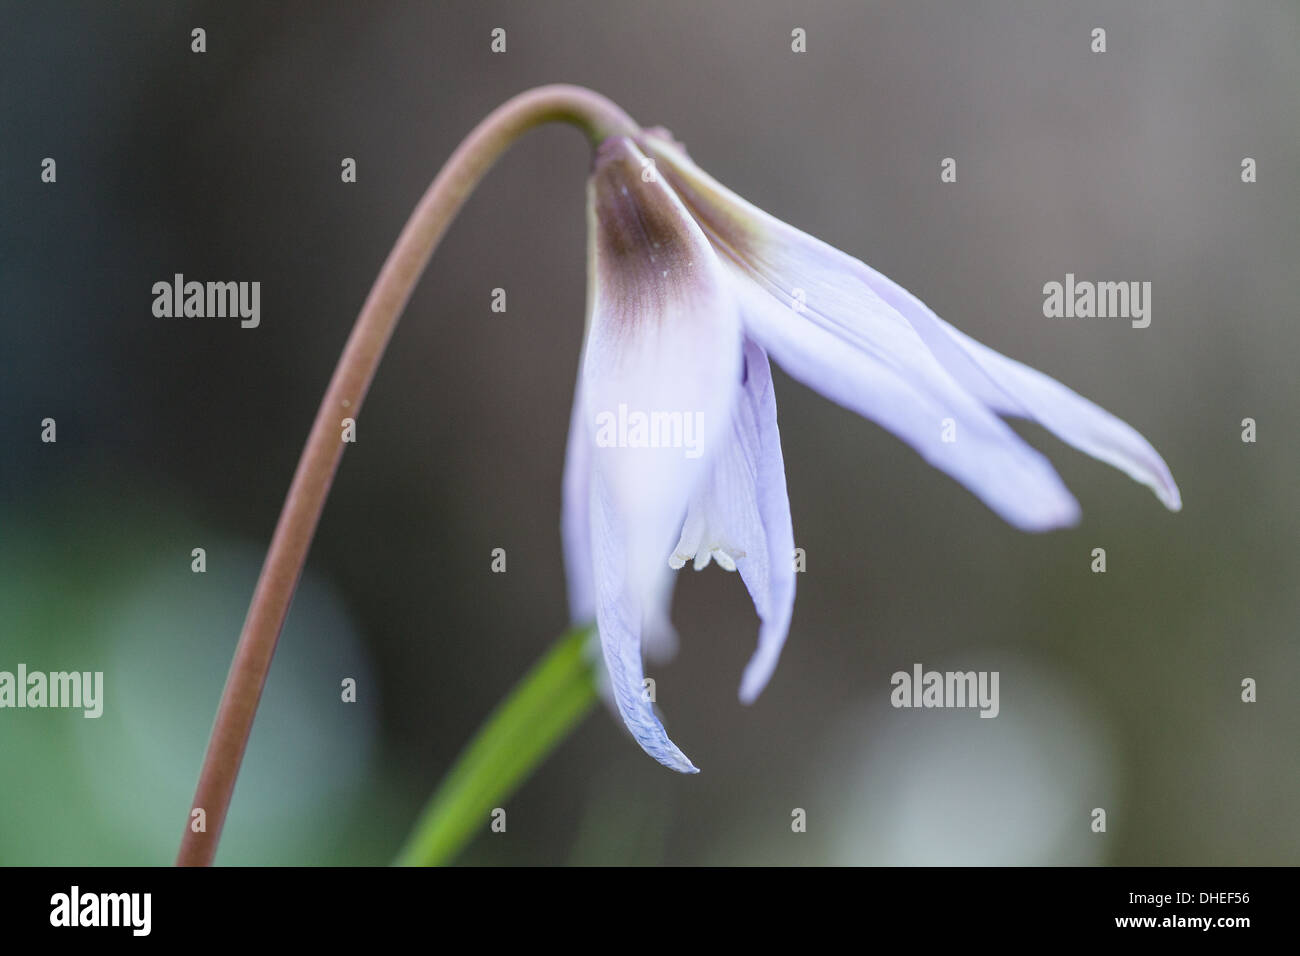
{"points": [[1119, 690]]}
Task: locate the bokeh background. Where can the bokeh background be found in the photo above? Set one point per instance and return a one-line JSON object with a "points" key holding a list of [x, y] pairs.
{"points": [[1119, 691]]}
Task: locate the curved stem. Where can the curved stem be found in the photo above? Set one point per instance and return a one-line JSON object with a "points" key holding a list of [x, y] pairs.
{"points": [[598, 118]]}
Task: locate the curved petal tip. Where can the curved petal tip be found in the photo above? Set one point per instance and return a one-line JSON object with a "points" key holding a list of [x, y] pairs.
{"points": [[1168, 493]]}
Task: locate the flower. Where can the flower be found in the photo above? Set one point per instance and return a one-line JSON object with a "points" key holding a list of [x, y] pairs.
{"points": [[673, 450]]}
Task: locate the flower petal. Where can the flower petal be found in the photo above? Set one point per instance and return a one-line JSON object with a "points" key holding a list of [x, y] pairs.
{"points": [[903, 387], [619, 613], [741, 516], [771, 582], [855, 302], [659, 638], [1013, 388], [575, 516], [659, 368], [663, 341]]}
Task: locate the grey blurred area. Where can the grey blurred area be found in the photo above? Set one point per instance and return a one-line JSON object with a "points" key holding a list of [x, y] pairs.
{"points": [[1120, 691]]}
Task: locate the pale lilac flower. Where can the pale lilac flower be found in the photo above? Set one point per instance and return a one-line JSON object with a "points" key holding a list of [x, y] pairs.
{"points": [[690, 290]]}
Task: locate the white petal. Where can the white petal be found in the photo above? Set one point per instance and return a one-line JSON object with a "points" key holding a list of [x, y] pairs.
{"points": [[659, 638], [741, 515], [619, 613], [1012, 388], [851, 301], [575, 516], [663, 343], [772, 586], [663, 347], [903, 388]]}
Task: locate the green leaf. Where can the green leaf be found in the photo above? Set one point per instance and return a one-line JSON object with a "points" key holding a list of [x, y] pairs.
{"points": [[541, 710]]}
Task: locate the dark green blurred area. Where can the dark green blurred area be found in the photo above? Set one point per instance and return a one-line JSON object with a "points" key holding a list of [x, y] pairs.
{"points": [[1119, 691]]}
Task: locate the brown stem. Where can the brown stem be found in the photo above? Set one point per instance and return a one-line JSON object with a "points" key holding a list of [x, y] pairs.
{"points": [[598, 118]]}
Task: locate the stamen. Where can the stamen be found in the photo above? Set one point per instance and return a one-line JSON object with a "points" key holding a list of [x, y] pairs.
{"points": [[716, 551]]}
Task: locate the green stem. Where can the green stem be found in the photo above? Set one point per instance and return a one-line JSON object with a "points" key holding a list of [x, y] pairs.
{"points": [[539, 713]]}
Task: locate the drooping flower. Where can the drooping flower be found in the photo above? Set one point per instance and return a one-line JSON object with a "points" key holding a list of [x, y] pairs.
{"points": [[673, 450]]}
